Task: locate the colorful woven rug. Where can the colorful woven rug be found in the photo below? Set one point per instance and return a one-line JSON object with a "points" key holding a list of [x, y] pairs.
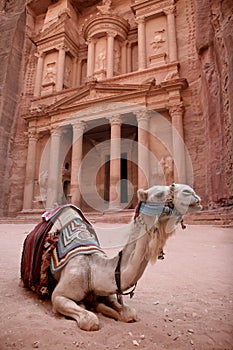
{"points": [[44, 249], [74, 239]]}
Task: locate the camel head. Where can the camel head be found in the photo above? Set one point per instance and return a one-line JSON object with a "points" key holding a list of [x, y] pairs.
{"points": [[163, 207], [179, 197]]}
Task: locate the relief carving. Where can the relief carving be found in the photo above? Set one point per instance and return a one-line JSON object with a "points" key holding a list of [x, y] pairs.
{"points": [[101, 61], [157, 44], [117, 61], [67, 76], [167, 167], [50, 74], [158, 39], [43, 183]]}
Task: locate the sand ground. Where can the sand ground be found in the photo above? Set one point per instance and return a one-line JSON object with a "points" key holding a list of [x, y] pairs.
{"points": [[183, 302]]}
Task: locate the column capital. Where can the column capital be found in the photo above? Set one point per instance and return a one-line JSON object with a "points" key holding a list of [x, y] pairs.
{"points": [[32, 134], [171, 10], [140, 20], [62, 47], [115, 119], [90, 40], [176, 109], [55, 130], [111, 34], [79, 126], [39, 54], [142, 115]]}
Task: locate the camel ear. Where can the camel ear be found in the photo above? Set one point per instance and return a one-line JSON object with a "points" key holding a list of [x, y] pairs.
{"points": [[142, 195]]}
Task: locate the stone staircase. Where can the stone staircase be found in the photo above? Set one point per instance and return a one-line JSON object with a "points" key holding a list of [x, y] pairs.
{"points": [[220, 217]]}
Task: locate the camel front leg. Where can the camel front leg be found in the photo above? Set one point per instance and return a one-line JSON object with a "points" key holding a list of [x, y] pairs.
{"points": [[86, 320], [111, 308]]}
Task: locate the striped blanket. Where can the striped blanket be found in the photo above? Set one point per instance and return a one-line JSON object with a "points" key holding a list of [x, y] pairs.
{"points": [[74, 239], [62, 234]]}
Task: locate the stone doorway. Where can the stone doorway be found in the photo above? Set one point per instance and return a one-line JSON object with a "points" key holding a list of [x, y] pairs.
{"points": [[123, 178]]}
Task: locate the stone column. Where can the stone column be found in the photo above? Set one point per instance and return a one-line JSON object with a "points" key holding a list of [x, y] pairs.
{"points": [[143, 149], [54, 176], [74, 73], [115, 162], [39, 74], [78, 77], [30, 170], [110, 54], [176, 113], [171, 30], [77, 147], [60, 68], [141, 43], [129, 58], [124, 58], [90, 58]]}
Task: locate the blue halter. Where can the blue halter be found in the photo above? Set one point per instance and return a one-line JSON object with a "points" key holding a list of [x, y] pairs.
{"points": [[155, 208]]}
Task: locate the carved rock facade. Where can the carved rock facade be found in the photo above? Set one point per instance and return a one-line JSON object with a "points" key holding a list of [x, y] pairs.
{"points": [[156, 75]]}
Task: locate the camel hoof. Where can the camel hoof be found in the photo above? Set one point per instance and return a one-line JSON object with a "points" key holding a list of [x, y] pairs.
{"points": [[128, 315], [89, 323], [89, 328]]}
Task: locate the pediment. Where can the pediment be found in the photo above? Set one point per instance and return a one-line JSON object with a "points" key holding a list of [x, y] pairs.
{"points": [[55, 28], [96, 92]]}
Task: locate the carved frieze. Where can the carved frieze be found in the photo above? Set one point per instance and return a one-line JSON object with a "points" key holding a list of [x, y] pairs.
{"points": [[151, 7]]}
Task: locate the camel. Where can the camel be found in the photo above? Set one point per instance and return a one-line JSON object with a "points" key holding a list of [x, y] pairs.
{"points": [[90, 282], [95, 280]]}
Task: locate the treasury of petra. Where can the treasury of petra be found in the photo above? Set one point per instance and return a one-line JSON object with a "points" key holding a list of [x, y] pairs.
{"points": [[102, 97]]}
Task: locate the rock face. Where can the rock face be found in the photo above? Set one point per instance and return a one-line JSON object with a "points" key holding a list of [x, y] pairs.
{"points": [[12, 24], [214, 39], [205, 54]]}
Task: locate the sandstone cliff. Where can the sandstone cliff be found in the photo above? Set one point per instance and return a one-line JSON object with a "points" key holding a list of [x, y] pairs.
{"points": [[214, 41], [12, 29]]}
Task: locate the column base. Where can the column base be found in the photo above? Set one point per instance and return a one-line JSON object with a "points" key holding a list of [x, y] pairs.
{"points": [[114, 207]]}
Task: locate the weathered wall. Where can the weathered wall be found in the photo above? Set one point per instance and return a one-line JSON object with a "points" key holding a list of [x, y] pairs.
{"points": [[214, 40], [12, 24], [194, 125]]}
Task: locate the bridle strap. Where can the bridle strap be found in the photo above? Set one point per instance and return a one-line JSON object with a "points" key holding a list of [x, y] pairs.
{"points": [[118, 281]]}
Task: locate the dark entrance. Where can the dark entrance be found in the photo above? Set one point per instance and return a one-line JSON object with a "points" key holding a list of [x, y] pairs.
{"points": [[107, 178], [123, 178]]}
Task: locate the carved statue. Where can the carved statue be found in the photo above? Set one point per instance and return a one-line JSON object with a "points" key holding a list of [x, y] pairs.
{"points": [[117, 59], [67, 76], [105, 8], [50, 75], [43, 183], [101, 61], [167, 166]]}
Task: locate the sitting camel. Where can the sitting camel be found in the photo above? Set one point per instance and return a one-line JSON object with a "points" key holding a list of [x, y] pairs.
{"points": [[91, 281]]}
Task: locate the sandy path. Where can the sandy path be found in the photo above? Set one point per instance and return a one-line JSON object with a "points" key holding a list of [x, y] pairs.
{"points": [[184, 302]]}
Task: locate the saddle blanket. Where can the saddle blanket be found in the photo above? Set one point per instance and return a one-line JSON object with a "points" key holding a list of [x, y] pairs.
{"points": [[74, 239], [63, 233]]}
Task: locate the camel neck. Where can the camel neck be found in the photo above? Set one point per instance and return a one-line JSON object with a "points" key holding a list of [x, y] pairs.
{"points": [[134, 259]]}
